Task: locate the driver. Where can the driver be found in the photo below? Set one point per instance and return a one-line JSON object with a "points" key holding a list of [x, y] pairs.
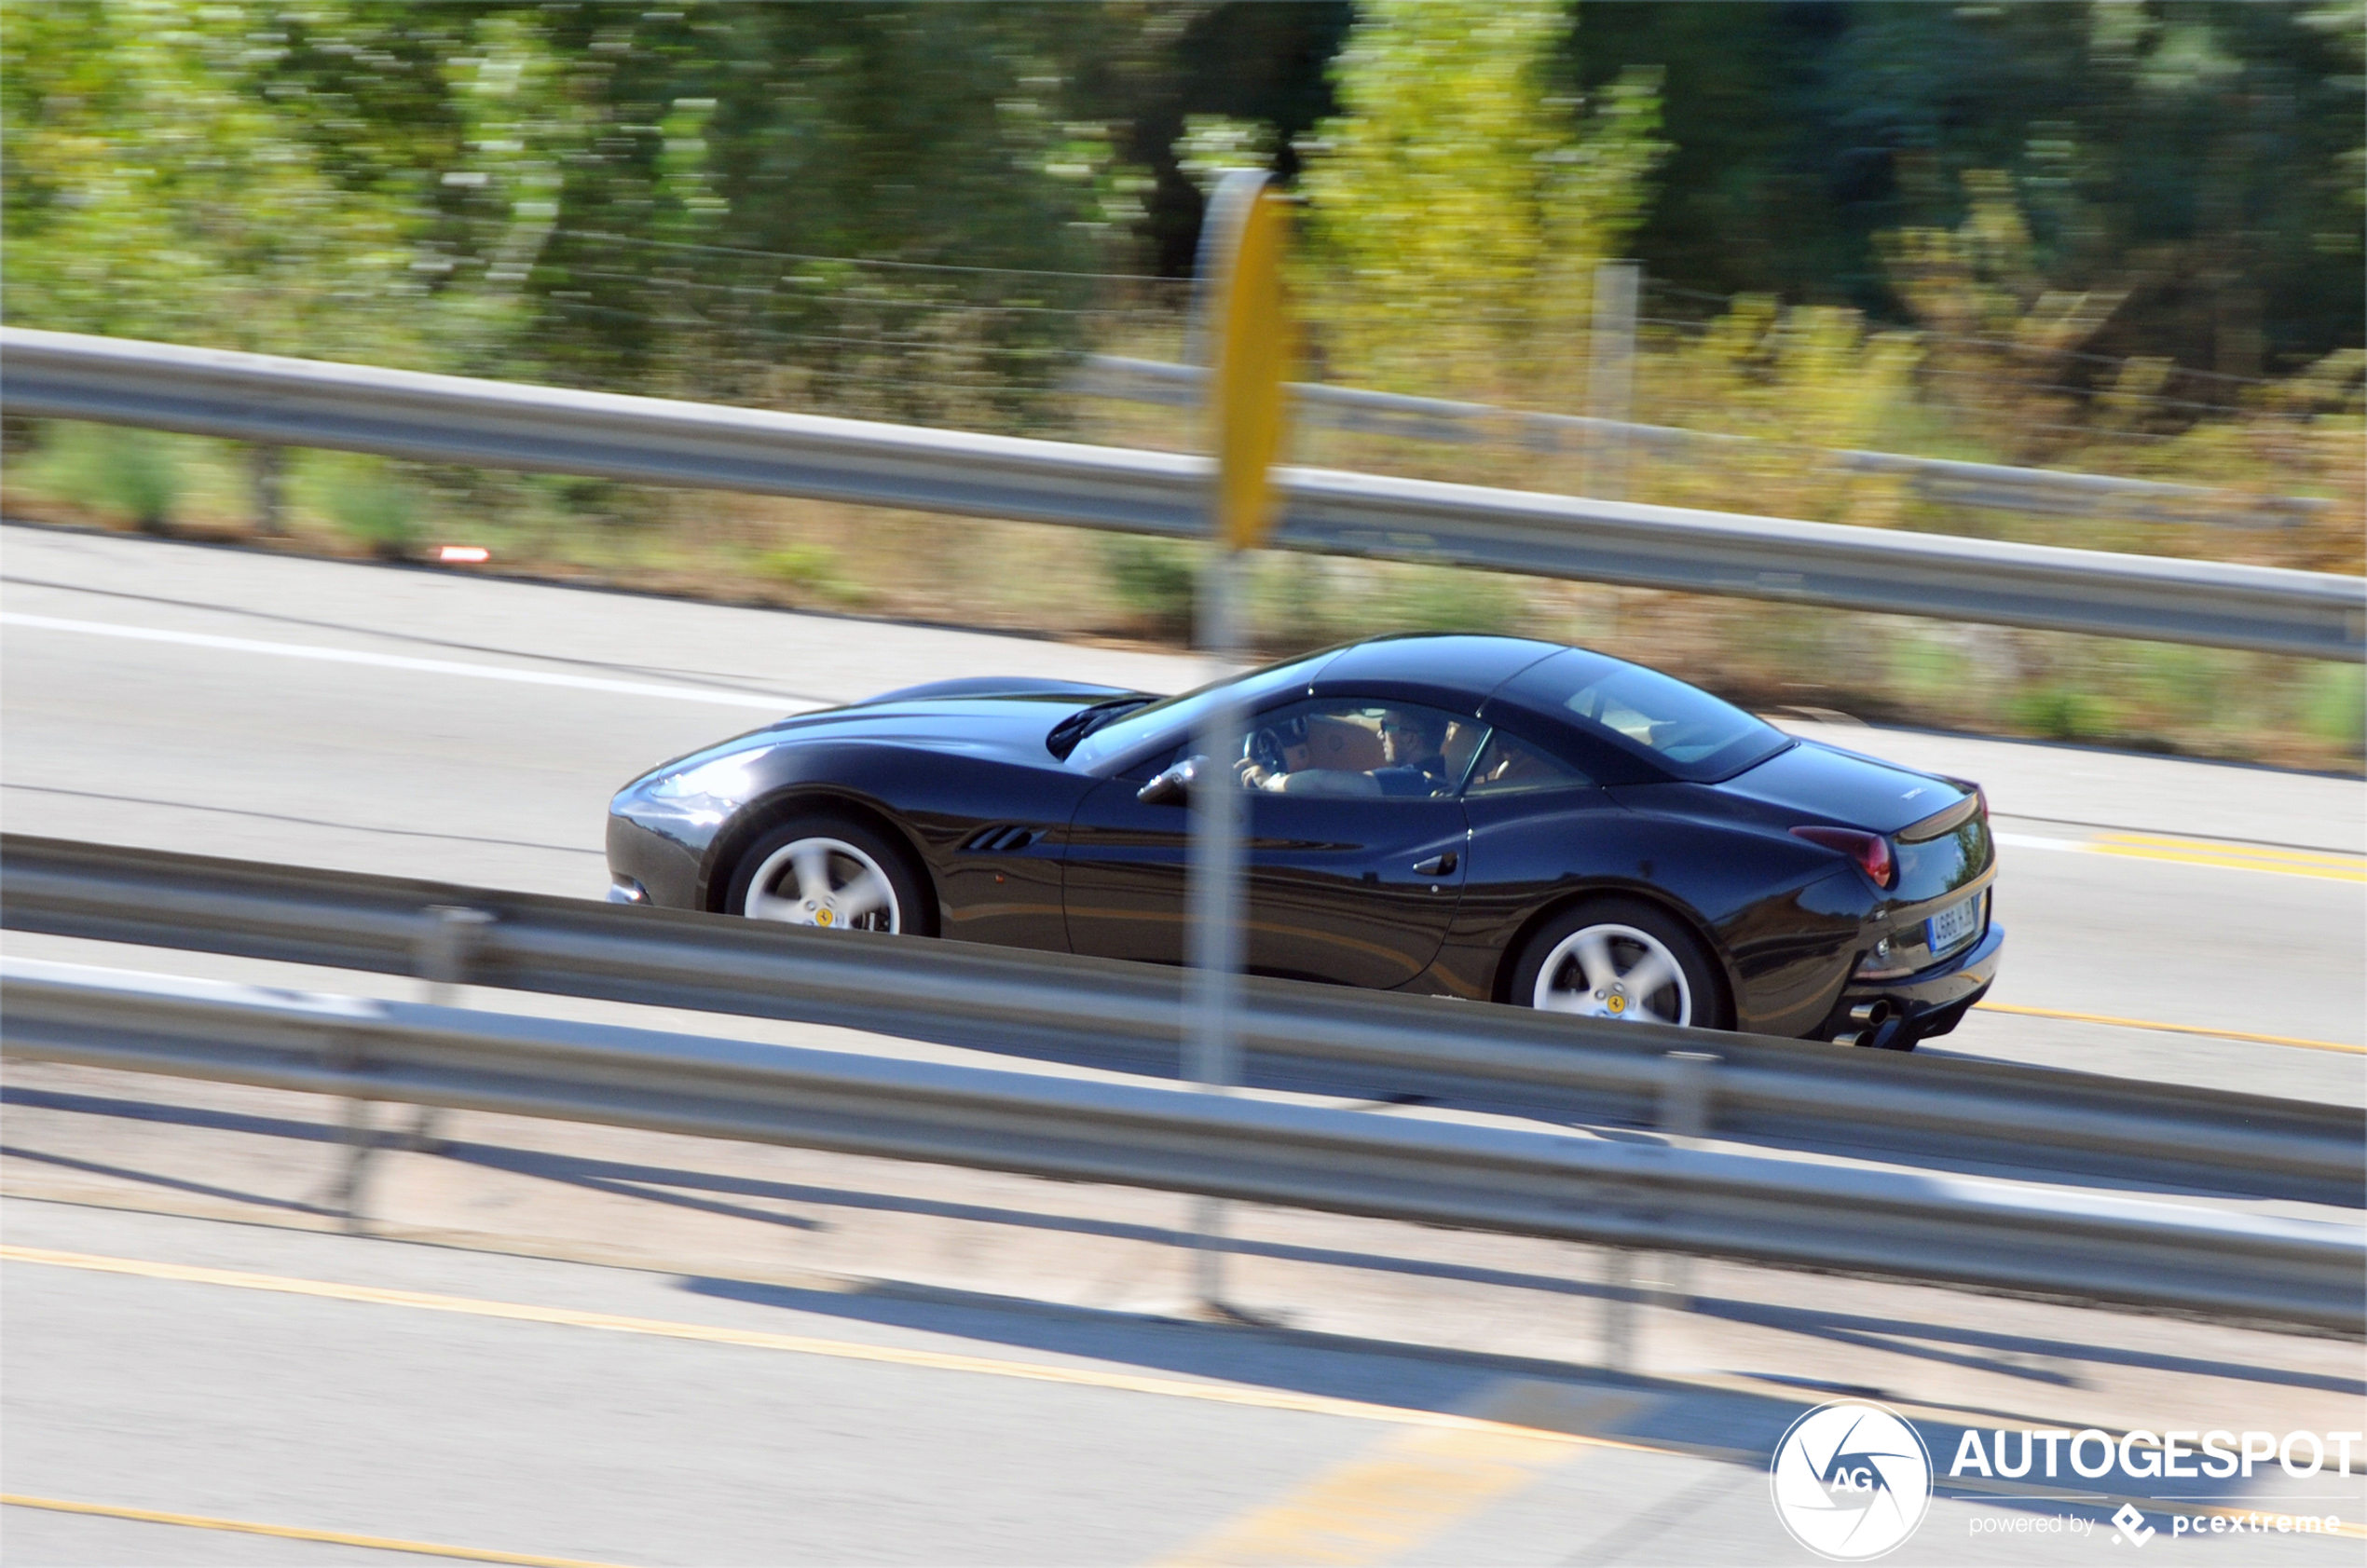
{"points": [[1416, 743], [1289, 740]]}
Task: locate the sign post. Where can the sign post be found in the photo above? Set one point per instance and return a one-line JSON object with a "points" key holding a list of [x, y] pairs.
{"points": [[1242, 334]]}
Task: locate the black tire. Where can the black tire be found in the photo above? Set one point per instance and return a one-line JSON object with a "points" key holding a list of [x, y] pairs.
{"points": [[1704, 1004], [852, 848]]}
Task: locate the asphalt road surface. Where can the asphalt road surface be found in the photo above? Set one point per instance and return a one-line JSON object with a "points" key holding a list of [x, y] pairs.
{"points": [[563, 1344], [185, 1391], [429, 724]]}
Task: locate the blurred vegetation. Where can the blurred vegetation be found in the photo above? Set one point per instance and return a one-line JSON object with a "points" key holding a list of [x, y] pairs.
{"points": [[131, 475], [370, 502], [1459, 204], [2123, 236]]}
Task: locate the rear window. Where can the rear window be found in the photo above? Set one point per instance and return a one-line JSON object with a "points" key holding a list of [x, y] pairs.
{"points": [[1681, 729]]}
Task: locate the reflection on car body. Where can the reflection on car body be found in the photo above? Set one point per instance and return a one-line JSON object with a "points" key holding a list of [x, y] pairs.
{"points": [[1492, 818]]}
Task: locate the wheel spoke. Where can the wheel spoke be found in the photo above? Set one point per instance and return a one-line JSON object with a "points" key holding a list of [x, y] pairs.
{"points": [[1560, 998], [1595, 957], [1651, 972], [813, 866], [862, 895], [764, 906]]}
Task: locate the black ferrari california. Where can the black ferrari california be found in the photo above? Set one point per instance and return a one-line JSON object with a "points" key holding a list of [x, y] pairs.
{"points": [[1482, 817]]}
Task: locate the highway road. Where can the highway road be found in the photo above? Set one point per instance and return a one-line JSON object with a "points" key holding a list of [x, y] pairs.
{"points": [[562, 1343], [173, 1384], [430, 724]]}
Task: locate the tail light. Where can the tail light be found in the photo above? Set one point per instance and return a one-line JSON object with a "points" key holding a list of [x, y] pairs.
{"points": [[1871, 851]]}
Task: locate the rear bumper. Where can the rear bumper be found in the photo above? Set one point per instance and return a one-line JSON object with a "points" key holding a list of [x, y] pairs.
{"points": [[1930, 1002]]}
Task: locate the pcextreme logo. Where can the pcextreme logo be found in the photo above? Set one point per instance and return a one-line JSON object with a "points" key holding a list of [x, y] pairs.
{"points": [[1852, 1481]]}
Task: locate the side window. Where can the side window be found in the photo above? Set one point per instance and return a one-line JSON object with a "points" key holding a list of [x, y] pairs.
{"points": [[1347, 746], [1509, 767]]}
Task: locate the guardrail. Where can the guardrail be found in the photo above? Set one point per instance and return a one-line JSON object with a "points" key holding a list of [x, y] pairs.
{"points": [[2051, 492], [1990, 1235], [455, 419], [1129, 1018]]}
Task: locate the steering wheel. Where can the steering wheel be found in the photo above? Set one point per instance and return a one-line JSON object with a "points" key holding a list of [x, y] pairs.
{"points": [[1265, 748]]}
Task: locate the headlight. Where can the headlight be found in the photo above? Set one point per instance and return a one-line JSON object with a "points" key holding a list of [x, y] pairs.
{"points": [[726, 778]]}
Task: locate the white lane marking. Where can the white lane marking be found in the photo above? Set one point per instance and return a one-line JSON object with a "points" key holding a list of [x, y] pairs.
{"points": [[2033, 841], [400, 661]]}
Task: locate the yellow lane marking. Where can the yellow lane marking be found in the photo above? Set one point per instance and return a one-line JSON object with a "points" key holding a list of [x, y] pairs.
{"points": [[1406, 1490], [2240, 857], [2171, 1029], [1030, 1372], [290, 1533]]}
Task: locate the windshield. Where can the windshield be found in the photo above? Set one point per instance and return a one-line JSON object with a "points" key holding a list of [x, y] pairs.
{"points": [[1174, 716], [1683, 729]]}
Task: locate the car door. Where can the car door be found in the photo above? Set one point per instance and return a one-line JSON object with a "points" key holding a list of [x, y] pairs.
{"points": [[1538, 826], [1353, 875]]}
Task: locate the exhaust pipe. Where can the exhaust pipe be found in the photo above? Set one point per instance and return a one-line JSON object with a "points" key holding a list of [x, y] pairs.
{"points": [[1865, 1019]]}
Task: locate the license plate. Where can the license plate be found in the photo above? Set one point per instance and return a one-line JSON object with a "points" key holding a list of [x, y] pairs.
{"points": [[1954, 925]]}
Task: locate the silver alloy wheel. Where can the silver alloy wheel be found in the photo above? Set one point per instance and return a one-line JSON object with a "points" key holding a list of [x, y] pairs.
{"points": [[1614, 971], [824, 882]]}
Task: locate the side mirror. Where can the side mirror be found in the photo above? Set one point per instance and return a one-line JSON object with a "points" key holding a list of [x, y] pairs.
{"points": [[1171, 786]]}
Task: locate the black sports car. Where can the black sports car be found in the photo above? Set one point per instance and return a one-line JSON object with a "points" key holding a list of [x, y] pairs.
{"points": [[1482, 817]]}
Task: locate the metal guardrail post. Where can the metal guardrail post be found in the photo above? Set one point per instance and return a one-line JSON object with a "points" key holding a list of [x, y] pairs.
{"points": [[357, 1134], [1685, 1121], [1685, 1095], [1620, 1309], [266, 467], [443, 955], [1610, 379]]}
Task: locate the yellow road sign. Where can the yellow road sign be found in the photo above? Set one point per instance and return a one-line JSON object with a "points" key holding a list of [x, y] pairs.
{"points": [[1255, 350]]}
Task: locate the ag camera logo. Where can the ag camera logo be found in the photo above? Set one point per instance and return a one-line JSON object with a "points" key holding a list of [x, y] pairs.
{"points": [[1852, 1481]]}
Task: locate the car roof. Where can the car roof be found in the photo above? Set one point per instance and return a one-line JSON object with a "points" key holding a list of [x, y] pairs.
{"points": [[1452, 669]]}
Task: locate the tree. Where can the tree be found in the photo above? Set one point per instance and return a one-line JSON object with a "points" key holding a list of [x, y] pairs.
{"points": [[1459, 203], [150, 194]]}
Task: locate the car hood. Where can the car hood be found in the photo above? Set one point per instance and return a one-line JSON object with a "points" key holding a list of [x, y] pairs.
{"points": [[1023, 686], [1817, 782], [1012, 725]]}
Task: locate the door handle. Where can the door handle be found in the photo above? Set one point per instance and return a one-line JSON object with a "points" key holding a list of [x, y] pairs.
{"points": [[1437, 865]]}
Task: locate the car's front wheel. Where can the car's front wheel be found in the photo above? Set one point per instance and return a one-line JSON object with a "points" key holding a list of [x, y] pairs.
{"points": [[832, 873], [1623, 960]]}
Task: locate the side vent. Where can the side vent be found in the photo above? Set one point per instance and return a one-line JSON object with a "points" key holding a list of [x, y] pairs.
{"points": [[1001, 839]]}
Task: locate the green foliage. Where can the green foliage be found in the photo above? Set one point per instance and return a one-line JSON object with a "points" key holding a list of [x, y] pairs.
{"points": [[371, 504], [2059, 710], [1212, 143], [130, 475], [151, 193], [1460, 202], [815, 570], [2334, 705], [2202, 159], [1444, 599], [1156, 579]]}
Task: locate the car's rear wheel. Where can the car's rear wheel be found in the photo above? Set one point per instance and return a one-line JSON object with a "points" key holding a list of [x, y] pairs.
{"points": [[1623, 960], [830, 872]]}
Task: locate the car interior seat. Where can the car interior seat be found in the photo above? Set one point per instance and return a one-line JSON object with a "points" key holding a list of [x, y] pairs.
{"points": [[1342, 742], [1462, 738]]}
